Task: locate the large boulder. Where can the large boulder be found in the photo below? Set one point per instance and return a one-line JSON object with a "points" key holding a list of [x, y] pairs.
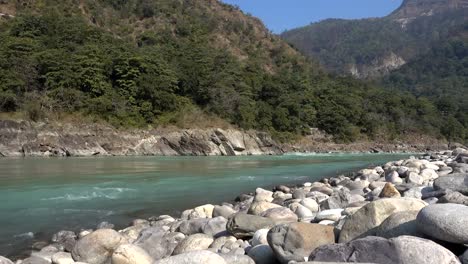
{"points": [[193, 243], [97, 247], [446, 222], [399, 224], [260, 237], [365, 220], [193, 226], [194, 257], [131, 254], [296, 241], [244, 225], [400, 250], [159, 243], [456, 182]]}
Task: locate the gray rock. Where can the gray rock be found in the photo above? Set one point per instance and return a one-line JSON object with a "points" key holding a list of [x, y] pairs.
{"points": [[455, 198], [4, 260], [365, 220], [455, 182], [35, 260], [299, 194], [399, 224], [237, 259], [260, 237], [215, 227], [97, 247], [193, 243], [296, 241], [262, 254], [194, 257], [463, 258], [337, 200], [459, 167], [332, 214], [159, 243], [283, 188], [244, 226], [131, 254], [446, 222], [400, 250], [194, 226], [224, 211], [281, 215], [66, 239], [62, 258], [310, 204], [393, 177], [257, 208]]}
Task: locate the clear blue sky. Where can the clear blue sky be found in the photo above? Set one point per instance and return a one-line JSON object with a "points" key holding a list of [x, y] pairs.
{"points": [[279, 15]]}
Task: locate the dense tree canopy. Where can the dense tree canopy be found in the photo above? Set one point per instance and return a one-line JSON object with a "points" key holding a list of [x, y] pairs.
{"points": [[139, 62]]}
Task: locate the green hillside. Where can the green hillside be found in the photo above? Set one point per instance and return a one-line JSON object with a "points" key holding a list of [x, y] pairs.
{"points": [[135, 63]]}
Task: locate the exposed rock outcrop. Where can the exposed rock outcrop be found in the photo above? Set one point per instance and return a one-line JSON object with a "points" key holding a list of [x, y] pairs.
{"points": [[27, 139]]}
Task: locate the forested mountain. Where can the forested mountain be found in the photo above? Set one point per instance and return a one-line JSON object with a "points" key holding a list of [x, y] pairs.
{"points": [[157, 62], [369, 48]]}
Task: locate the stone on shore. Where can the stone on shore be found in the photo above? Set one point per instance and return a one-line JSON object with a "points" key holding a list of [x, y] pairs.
{"points": [[66, 239], [97, 247], [194, 257], [237, 259], [4, 260], [400, 250], [455, 198], [159, 243], [399, 224], [332, 214], [446, 222], [456, 182], [262, 195], [223, 210], [280, 215], [260, 237], [131, 254], [296, 241], [463, 258], [215, 227], [262, 254], [194, 242], [389, 191], [244, 225], [365, 220], [61, 258], [257, 208]]}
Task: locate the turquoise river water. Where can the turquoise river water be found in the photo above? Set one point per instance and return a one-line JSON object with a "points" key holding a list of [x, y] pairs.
{"points": [[41, 196]]}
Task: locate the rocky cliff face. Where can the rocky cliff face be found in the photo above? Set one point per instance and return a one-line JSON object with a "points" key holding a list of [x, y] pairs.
{"points": [[378, 67], [416, 8], [26, 139]]}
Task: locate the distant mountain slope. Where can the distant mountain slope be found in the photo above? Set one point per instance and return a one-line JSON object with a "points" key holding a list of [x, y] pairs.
{"points": [[135, 63], [370, 48], [440, 75]]}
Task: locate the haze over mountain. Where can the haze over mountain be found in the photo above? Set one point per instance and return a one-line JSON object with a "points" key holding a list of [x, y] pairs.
{"points": [[134, 63]]}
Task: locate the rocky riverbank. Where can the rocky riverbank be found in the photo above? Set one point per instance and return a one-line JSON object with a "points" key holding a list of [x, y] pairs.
{"points": [[36, 139], [408, 211]]}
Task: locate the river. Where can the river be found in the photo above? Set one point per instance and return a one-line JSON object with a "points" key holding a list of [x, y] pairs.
{"points": [[42, 196]]}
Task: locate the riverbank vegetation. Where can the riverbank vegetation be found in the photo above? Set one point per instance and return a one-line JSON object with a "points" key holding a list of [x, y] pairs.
{"points": [[135, 63]]}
